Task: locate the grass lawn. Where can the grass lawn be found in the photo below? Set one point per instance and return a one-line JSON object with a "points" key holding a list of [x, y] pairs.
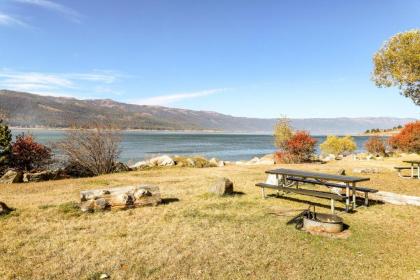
{"points": [[203, 236]]}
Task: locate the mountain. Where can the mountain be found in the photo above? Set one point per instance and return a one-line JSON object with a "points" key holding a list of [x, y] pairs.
{"points": [[30, 110]]}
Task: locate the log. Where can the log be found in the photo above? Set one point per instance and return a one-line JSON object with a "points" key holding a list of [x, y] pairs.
{"points": [[396, 199], [119, 198]]}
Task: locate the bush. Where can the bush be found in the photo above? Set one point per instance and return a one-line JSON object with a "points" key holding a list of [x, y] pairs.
{"points": [[282, 133], [338, 145], [29, 155], [299, 148], [408, 140], [5, 146], [91, 151], [375, 145]]}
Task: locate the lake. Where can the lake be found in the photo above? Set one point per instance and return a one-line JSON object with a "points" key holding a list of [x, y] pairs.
{"points": [[138, 145]]}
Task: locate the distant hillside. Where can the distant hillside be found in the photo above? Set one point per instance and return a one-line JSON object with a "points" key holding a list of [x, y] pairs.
{"points": [[30, 110]]}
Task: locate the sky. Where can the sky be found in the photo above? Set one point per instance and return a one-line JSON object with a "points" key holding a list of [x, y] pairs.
{"points": [[250, 58]]}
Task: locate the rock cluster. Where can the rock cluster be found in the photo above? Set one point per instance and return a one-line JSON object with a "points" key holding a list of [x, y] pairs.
{"points": [[165, 160], [121, 198], [16, 176]]}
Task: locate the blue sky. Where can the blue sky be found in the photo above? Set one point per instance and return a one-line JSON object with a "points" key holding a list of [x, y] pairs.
{"points": [[244, 58]]}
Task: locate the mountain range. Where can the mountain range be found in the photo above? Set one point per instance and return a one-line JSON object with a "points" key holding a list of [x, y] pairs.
{"points": [[21, 109]]}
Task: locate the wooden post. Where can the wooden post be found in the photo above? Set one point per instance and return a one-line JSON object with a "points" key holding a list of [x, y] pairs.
{"points": [[263, 193], [332, 206]]}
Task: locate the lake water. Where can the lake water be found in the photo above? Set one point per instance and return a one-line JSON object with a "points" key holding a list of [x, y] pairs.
{"points": [[137, 145]]}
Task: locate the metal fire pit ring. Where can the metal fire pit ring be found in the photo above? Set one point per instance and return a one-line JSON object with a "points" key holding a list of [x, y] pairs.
{"points": [[320, 222]]}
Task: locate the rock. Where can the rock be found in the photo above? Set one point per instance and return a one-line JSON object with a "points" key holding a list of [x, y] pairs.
{"points": [[221, 163], [120, 198], [240, 162], [253, 161], [104, 276], [190, 162], [162, 161], [101, 204], [11, 176], [330, 157], [222, 186], [121, 167], [87, 206], [77, 171], [140, 165], [4, 209], [268, 157], [266, 161], [213, 162], [367, 170], [44, 176]]}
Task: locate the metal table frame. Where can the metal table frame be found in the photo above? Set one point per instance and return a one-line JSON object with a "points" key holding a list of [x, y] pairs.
{"points": [[348, 181]]}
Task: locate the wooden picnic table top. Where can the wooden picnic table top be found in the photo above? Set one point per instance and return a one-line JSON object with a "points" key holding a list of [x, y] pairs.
{"points": [[412, 161], [317, 175]]}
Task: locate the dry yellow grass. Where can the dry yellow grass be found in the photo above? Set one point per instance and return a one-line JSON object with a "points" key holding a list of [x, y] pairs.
{"points": [[202, 236]]}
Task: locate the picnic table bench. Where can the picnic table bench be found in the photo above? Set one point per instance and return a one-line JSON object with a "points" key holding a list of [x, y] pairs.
{"points": [[412, 167], [289, 179]]}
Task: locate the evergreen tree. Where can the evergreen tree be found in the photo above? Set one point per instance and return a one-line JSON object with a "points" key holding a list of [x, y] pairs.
{"points": [[5, 145]]}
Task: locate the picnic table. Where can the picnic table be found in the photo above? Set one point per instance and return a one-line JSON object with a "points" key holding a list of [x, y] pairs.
{"points": [[413, 164], [289, 179]]}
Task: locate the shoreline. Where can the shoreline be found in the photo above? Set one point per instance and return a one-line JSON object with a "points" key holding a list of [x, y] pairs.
{"points": [[188, 131]]}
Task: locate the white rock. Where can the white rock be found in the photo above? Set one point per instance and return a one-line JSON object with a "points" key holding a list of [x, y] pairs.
{"points": [[221, 163], [140, 164], [213, 162], [162, 161]]}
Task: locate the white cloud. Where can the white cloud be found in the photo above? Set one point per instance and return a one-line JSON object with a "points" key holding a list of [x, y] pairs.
{"points": [[169, 99], [59, 83], [50, 5], [10, 20]]}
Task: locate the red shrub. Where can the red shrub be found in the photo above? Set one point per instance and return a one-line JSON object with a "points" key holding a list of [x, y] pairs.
{"points": [[375, 145], [299, 148], [408, 140], [28, 154]]}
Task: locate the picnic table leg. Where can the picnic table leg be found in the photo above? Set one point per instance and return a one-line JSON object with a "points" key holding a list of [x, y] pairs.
{"points": [[353, 188], [412, 171], [277, 179], [263, 193], [332, 206], [347, 197], [418, 171], [366, 199]]}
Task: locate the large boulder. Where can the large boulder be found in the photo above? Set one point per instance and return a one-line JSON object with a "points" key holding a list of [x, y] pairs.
{"points": [[121, 167], [45, 176], [140, 165], [77, 171], [162, 161], [4, 209], [11, 176], [213, 162], [222, 186]]}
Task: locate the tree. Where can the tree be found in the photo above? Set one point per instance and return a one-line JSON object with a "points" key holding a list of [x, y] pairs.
{"points": [[408, 139], [375, 145], [92, 151], [338, 145], [28, 154], [5, 145], [282, 133], [397, 63]]}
